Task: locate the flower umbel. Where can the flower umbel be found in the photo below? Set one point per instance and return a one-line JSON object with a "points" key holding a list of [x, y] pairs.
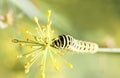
{"points": [[42, 45]]}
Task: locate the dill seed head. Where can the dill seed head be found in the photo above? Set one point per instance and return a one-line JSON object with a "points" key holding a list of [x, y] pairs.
{"points": [[15, 40], [42, 75], [70, 65], [42, 47], [26, 71], [56, 67], [19, 56]]}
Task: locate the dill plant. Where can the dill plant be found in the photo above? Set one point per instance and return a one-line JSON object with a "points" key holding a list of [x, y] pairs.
{"points": [[44, 47]]}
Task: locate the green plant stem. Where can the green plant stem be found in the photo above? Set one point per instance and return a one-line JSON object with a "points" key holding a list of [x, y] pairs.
{"points": [[109, 50]]}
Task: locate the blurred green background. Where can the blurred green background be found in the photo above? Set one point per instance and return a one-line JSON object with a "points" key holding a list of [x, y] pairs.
{"points": [[92, 20]]}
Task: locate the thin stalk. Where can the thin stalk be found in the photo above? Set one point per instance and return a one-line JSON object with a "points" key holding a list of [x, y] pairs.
{"points": [[33, 60], [40, 30], [33, 42], [31, 52], [109, 50], [44, 63]]}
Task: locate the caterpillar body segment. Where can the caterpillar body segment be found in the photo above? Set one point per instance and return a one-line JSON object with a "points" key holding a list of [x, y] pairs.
{"points": [[67, 42]]}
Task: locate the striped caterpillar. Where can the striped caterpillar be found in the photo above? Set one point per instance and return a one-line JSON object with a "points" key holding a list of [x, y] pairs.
{"points": [[67, 42]]}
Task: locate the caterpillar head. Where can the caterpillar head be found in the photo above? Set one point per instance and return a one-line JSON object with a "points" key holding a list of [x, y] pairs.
{"points": [[58, 42], [55, 43]]}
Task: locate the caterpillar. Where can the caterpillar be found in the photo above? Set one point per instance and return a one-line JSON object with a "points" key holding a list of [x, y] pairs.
{"points": [[67, 42]]}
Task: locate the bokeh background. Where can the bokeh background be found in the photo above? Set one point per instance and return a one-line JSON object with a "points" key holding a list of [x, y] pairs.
{"points": [[92, 20]]}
